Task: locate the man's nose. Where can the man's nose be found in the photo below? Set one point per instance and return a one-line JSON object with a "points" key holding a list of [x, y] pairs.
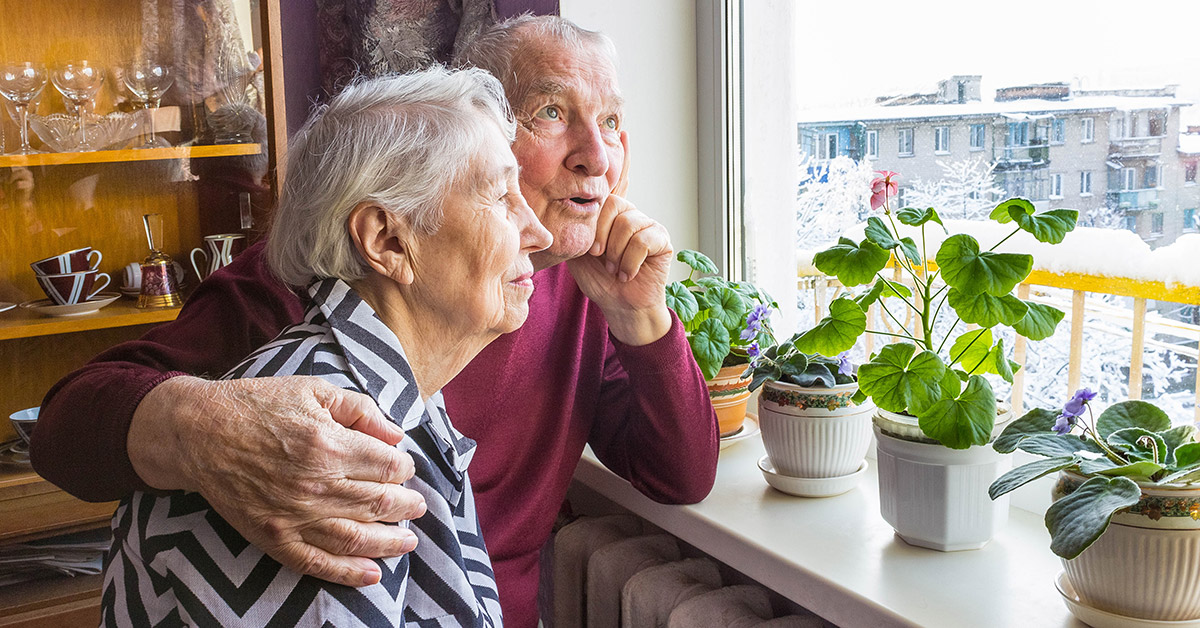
{"points": [[588, 154]]}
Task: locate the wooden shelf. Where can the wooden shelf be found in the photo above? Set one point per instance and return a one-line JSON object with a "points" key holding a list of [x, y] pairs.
{"points": [[56, 601], [23, 323], [130, 154], [33, 508]]}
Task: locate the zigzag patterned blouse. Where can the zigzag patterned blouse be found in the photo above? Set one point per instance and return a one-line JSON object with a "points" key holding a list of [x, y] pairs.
{"points": [[174, 561]]}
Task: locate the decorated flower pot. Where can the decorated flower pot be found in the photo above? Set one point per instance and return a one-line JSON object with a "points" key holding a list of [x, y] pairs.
{"points": [[934, 496], [730, 393], [814, 432], [1146, 565]]}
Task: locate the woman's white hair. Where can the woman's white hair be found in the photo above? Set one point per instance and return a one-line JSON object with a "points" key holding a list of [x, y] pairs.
{"points": [[400, 142]]}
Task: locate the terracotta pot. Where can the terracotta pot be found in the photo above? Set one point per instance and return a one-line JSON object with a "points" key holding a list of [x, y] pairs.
{"points": [[730, 392], [814, 432], [1146, 565]]}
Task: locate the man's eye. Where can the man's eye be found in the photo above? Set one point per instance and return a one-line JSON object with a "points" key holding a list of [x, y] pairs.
{"points": [[610, 123], [549, 113]]}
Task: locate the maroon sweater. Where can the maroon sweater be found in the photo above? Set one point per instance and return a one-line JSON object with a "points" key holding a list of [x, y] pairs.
{"points": [[532, 400]]}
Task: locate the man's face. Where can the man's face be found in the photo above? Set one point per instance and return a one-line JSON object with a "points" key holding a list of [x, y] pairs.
{"points": [[569, 141]]}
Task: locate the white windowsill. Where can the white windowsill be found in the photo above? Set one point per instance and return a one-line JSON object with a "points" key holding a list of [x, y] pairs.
{"points": [[837, 557]]}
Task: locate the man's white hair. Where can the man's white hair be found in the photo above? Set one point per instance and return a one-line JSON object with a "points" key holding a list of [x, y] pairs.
{"points": [[400, 142]]}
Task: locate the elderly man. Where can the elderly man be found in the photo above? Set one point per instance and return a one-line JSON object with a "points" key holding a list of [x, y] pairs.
{"points": [[600, 361]]}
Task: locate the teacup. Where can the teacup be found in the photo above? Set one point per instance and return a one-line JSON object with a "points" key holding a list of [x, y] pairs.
{"points": [[72, 288], [133, 275], [222, 248], [23, 422], [75, 261]]}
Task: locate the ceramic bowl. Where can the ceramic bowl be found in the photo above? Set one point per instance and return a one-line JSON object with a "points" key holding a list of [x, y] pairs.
{"points": [[1103, 619], [23, 422], [810, 487]]}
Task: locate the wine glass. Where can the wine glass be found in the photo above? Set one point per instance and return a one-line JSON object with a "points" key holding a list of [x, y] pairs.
{"points": [[148, 80], [20, 83], [78, 82]]}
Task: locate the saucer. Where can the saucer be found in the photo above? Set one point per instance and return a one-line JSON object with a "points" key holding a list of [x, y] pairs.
{"points": [[4, 307], [131, 292], [749, 429], [50, 308], [809, 487], [14, 453], [1097, 618]]}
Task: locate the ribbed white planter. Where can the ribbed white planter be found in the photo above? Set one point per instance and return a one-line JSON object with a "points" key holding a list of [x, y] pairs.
{"points": [[1146, 565], [814, 432], [937, 497]]}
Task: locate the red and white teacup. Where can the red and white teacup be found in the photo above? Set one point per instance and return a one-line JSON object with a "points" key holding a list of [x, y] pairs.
{"points": [[72, 288], [75, 261]]}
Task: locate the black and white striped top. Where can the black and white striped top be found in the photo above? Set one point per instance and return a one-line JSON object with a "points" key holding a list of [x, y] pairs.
{"points": [[175, 561]]}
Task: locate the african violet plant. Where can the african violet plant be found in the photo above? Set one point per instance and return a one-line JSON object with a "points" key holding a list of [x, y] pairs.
{"points": [[787, 363], [726, 321], [944, 389], [1131, 440]]}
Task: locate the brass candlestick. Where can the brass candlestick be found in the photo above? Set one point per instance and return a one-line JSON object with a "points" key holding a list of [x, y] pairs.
{"points": [[158, 275]]}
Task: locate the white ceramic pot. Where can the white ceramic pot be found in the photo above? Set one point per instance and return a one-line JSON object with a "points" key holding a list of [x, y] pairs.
{"points": [[937, 497], [814, 432], [1146, 565]]}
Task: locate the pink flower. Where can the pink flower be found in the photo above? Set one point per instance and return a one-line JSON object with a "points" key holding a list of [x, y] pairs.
{"points": [[883, 188]]}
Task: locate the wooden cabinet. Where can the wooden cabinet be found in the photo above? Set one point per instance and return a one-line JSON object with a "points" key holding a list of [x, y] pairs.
{"points": [[223, 126]]}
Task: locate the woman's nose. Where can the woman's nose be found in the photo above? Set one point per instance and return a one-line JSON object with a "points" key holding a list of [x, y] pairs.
{"points": [[534, 236]]}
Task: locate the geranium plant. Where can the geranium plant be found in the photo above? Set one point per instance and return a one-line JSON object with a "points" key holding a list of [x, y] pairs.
{"points": [[1131, 440], [936, 377], [726, 321]]}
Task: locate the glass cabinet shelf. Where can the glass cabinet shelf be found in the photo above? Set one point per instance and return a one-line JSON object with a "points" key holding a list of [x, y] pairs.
{"points": [[130, 154]]}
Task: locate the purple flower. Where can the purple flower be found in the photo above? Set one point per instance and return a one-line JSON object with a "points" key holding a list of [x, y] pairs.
{"points": [[1074, 407], [844, 366], [753, 352], [1063, 424], [754, 321]]}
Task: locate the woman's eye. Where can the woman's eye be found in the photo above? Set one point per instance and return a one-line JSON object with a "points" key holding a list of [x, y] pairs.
{"points": [[550, 112], [610, 123]]}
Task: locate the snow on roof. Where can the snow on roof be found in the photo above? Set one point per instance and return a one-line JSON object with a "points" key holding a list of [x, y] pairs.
{"points": [[1086, 251], [1189, 143], [989, 108]]}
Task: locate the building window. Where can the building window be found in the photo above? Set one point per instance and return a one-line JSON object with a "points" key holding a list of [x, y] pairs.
{"points": [[873, 144], [941, 139], [1088, 130], [1018, 134], [1150, 177], [1131, 222], [1189, 172], [1058, 132], [1056, 186], [1156, 223], [1127, 178], [1189, 219], [1085, 184], [828, 148], [977, 135], [905, 146]]}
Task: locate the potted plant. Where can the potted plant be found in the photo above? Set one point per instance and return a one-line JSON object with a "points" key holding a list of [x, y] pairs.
{"points": [[811, 425], [937, 411], [725, 321], [1126, 513]]}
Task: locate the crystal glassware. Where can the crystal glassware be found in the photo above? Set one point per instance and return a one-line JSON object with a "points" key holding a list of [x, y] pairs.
{"points": [[21, 83], [78, 82], [148, 80]]}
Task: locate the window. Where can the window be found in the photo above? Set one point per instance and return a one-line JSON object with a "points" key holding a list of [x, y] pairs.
{"points": [[873, 144], [1056, 186], [1189, 172], [1018, 134], [1156, 223], [1150, 177], [1189, 219], [1130, 222], [1127, 178], [828, 149], [941, 140], [905, 145], [1085, 183], [1058, 132], [1087, 130], [977, 135]]}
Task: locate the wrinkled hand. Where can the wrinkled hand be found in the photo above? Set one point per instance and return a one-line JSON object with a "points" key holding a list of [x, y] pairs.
{"points": [[626, 270], [274, 457]]}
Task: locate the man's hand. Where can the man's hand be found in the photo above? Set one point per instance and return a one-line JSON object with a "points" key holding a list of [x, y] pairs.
{"points": [[274, 457], [626, 270]]}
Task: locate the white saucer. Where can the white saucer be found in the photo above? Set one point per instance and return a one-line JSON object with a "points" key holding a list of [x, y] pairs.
{"points": [[809, 487], [4, 307], [50, 308], [1097, 618], [749, 429], [131, 292], [14, 453]]}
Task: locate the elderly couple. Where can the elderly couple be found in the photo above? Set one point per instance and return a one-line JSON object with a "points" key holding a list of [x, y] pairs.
{"points": [[419, 237]]}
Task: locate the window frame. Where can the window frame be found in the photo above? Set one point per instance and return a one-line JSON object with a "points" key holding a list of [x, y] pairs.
{"points": [[1087, 130], [1058, 131], [1157, 223], [872, 139], [910, 132], [1189, 220], [981, 130], [1085, 183], [941, 140], [1055, 185]]}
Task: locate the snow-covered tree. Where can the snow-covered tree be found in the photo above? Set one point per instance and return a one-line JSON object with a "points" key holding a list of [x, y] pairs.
{"points": [[831, 197], [967, 189]]}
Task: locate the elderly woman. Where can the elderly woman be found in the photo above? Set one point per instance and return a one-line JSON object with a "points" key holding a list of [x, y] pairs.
{"points": [[403, 217]]}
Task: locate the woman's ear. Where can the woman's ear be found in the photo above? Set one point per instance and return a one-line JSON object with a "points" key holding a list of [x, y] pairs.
{"points": [[383, 241]]}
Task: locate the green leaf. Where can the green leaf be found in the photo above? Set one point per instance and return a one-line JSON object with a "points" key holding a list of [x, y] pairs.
{"points": [[710, 345], [711, 283], [964, 267], [914, 217], [1175, 437], [816, 375], [986, 310], [963, 421], [727, 306], [971, 347], [763, 375], [1186, 455], [853, 264], [1132, 413], [1039, 321], [1036, 421], [879, 233], [837, 332], [882, 290], [1000, 363], [698, 261], [1052, 445], [1078, 519], [951, 384], [1096, 465], [1050, 227], [909, 246], [859, 397], [795, 364], [1003, 212], [1143, 469], [682, 301], [1026, 473], [1189, 475], [1140, 443], [899, 381]]}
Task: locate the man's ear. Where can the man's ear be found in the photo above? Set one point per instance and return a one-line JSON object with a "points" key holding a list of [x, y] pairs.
{"points": [[383, 241]]}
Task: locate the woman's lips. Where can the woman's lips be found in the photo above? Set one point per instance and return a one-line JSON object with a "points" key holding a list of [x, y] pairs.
{"points": [[524, 281]]}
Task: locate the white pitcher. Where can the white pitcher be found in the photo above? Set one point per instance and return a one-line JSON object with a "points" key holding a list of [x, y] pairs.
{"points": [[219, 254]]}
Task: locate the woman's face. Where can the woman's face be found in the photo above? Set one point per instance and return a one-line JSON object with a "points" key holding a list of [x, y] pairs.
{"points": [[476, 267]]}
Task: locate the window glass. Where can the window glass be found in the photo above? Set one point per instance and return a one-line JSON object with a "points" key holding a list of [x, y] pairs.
{"points": [[1087, 130], [941, 139], [1085, 183], [1189, 219], [977, 136], [873, 144], [905, 145], [1056, 186]]}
